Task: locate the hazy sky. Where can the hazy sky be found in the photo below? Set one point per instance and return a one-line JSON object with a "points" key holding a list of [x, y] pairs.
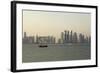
{"points": [[46, 23]]}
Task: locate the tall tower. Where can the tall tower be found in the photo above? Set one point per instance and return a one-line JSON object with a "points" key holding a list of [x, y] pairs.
{"points": [[37, 39], [75, 37], [81, 38], [62, 37], [25, 35], [71, 36], [68, 36], [89, 39], [65, 37]]}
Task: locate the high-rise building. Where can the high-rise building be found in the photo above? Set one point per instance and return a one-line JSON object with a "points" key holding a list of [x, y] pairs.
{"points": [[67, 36], [54, 40], [30, 39], [71, 36], [59, 41], [75, 38], [81, 38], [86, 39], [25, 38], [89, 39], [62, 37], [37, 38], [25, 35]]}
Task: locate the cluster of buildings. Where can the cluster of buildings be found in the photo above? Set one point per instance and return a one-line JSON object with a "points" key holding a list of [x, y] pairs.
{"points": [[72, 37], [38, 39], [66, 37]]}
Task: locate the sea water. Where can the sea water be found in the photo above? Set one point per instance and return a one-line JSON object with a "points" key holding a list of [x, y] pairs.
{"points": [[55, 52]]}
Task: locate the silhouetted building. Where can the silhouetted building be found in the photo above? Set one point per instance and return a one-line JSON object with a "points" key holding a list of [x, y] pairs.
{"points": [[86, 39], [54, 40], [81, 38], [65, 37], [89, 40], [30, 39], [46, 40], [25, 35], [71, 36], [59, 41], [25, 39], [62, 37], [37, 39], [75, 38]]}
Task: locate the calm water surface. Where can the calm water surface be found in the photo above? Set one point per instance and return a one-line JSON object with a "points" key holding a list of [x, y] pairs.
{"points": [[58, 52]]}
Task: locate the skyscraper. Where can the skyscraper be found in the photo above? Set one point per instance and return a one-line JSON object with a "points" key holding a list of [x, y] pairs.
{"points": [[89, 39], [25, 35], [62, 37], [71, 36], [65, 37], [37, 38], [75, 39], [81, 38]]}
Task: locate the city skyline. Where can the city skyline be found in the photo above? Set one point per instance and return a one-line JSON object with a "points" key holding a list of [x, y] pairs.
{"points": [[66, 36], [52, 23]]}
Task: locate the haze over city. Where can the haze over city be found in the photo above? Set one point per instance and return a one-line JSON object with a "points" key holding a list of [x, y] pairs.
{"points": [[53, 23], [55, 36]]}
